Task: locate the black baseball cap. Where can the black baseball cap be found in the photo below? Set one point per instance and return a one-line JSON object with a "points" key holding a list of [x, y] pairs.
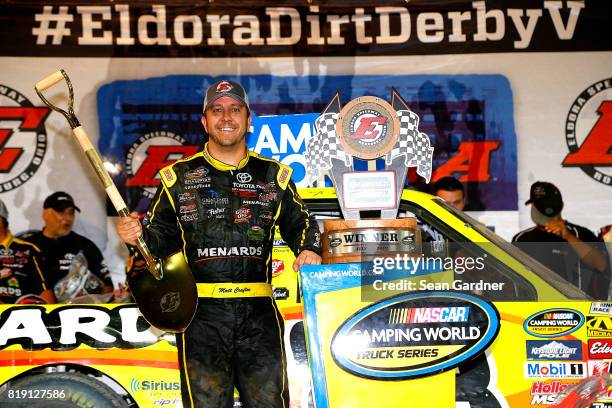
{"points": [[59, 201], [225, 88], [546, 202]]}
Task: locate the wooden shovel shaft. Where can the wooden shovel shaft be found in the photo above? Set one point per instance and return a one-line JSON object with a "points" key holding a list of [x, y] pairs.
{"points": [[113, 193]]}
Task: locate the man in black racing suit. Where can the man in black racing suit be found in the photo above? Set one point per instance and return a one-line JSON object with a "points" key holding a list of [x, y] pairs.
{"points": [[220, 207]]}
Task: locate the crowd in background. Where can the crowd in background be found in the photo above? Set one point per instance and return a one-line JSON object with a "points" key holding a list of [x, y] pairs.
{"points": [[54, 264]]}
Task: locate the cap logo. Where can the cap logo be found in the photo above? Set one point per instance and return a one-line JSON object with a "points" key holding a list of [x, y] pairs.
{"points": [[224, 86], [539, 192]]}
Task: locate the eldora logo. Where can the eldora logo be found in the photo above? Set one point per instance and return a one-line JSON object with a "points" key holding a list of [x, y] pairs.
{"points": [[377, 343], [23, 138], [368, 127], [553, 322], [587, 131], [151, 153]]}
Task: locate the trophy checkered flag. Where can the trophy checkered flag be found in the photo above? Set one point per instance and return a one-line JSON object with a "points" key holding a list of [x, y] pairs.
{"points": [[323, 147], [413, 145]]}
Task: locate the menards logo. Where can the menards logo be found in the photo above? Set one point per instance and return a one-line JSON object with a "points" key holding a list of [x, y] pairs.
{"points": [[67, 327]]}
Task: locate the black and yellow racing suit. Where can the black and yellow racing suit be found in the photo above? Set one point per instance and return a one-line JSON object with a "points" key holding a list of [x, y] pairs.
{"points": [[222, 217]]}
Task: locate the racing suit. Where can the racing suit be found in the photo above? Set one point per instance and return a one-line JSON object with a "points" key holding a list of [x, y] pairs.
{"points": [[20, 272], [222, 217]]}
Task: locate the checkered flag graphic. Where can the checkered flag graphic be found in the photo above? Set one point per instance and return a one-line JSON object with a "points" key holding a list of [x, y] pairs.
{"points": [[413, 145], [324, 146]]}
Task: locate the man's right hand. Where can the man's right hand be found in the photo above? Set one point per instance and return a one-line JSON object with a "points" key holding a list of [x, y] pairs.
{"points": [[129, 228]]}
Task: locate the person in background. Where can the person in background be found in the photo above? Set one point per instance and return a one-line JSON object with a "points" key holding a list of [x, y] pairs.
{"points": [[568, 249], [20, 267], [450, 190], [59, 244], [605, 236]]}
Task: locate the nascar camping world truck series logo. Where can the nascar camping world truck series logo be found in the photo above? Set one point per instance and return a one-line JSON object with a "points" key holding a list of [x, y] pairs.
{"points": [[414, 335], [587, 132], [23, 138]]}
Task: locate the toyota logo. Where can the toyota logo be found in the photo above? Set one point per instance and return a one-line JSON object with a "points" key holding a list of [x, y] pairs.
{"points": [[244, 177]]}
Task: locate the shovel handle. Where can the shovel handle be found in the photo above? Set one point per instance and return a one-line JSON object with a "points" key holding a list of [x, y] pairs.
{"points": [[49, 81], [114, 195]]}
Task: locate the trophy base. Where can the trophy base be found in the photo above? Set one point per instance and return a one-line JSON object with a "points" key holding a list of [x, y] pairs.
{"points": [[347, 241]]}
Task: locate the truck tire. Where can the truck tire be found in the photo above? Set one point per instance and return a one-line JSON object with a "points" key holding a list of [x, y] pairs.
{"points": [[59, 390]]}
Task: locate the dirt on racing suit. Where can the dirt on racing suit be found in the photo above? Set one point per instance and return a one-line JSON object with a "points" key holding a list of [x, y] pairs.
{"points": [[222, 217]]}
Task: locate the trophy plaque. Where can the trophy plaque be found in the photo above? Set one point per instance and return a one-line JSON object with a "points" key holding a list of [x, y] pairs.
{"points": [[368, 128]]}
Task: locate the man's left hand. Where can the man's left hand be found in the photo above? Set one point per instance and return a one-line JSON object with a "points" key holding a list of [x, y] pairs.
{"points": [[306, 257]]}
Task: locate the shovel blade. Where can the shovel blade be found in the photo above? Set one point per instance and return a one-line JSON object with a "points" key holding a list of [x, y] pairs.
{"points": [[169, 303]]}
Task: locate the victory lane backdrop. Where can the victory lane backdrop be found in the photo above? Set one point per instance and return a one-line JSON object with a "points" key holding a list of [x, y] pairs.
{"points": [[147, 124]]}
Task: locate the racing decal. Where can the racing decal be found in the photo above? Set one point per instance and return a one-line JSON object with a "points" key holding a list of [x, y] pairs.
{"points": [[598, 367], [168, 175], [601, 308], [554, 350], [587, 132], [157, 390], [255, 233], [244, 177], [216, 213], [280, 293], [468, 117], [601, 405], [545, 392], [599, 326], [600, 349], [242, 214], [278, 267], [553, 322], [229, 251], [555, 370], [23, 138], [382, 342], [67, 327]]}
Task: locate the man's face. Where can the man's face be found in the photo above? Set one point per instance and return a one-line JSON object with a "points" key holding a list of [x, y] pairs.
{"points": [[58, 223], [226, 121], [454, 198]]}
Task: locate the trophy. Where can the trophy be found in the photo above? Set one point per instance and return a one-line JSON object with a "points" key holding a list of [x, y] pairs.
{"points": [[368, 128]]}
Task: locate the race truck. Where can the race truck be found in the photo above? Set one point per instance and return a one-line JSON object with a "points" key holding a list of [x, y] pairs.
{"points": [[548, 335]]}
